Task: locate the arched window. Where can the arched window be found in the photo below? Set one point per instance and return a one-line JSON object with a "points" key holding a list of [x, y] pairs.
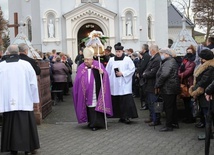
{"points": [[149, 28], [29, 29]]}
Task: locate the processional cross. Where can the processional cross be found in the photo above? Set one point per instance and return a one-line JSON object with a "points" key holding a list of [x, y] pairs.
{"points": [[16, 24]]}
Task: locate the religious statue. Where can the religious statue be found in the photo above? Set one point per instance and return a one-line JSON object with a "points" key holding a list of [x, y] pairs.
{"points": [[129, 27], [51, 29]]}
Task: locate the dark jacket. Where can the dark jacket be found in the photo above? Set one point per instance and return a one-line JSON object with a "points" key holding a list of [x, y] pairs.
{"points": [[79, 59], [143, 63], [185, 72], [167, 79], [60, 72], [149, 74], [210, 89], [203, 76], [32, 62]]}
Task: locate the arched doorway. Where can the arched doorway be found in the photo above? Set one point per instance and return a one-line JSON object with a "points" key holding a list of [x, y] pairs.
{"points": [[84, 31]]}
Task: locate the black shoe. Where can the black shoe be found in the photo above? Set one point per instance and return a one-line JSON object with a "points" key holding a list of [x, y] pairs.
{"points": [[94, 129], [189, 120], [144, 108], [121, 120], [175, 125], [14, 152], [32, 152], [149, 120], [154, 123], [200, 125], [127, 121], [165, 129]]}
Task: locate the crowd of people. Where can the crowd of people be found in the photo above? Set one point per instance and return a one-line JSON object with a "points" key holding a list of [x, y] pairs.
{"points": [[106, 86]]}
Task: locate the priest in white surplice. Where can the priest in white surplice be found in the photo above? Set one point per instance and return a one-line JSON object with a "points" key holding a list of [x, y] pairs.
{"points": [[18, 92], [121, 69]]}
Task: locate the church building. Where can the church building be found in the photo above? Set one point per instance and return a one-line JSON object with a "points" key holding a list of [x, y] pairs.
{"points": [[62, 24]]}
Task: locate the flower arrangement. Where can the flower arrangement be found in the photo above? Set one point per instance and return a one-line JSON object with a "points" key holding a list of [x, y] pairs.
{"points": [[95, 39]]}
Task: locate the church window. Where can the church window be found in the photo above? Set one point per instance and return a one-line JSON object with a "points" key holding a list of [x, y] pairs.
{"points": [[29, 29], [149, 28]]}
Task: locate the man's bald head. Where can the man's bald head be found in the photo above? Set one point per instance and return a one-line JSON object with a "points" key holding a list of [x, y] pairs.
{"points": [[13, 49]]}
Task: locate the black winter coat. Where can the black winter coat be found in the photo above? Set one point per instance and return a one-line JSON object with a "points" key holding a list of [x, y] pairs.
{"points": [[143, 63], [167, 79], [149, 74], [210, 89], [203, 76], [32, 62]]}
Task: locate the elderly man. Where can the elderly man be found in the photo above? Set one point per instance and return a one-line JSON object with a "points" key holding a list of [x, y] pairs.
{"points": [[23, 50], [167, 81], [87, 92], [144, 60], [18, 92], [149, 76]]}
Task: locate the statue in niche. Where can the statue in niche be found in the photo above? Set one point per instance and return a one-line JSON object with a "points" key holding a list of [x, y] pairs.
{"points": [[51, 29], [129, 27]]}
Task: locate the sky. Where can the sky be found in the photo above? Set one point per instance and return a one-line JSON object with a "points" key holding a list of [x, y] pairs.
{"points": [[4, 8]]}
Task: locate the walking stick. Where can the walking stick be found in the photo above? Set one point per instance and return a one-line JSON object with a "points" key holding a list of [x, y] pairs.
{"points": [[102, 89], [208, 130]]}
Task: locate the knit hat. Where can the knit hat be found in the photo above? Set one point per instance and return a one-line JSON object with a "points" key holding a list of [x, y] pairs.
{"points": [[166, 50], [206, 54], [118, 46], [88, 52]]}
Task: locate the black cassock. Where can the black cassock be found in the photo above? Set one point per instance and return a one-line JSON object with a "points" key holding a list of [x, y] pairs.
{"points": [[124, 107], [19, 132], [95, 118]]}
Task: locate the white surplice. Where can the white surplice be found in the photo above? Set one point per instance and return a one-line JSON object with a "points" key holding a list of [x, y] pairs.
{"points": [[18, 88], [121, 85]]}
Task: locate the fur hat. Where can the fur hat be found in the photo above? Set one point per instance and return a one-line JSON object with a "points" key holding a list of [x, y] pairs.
{"points": [[206, 54], [118, 46], [88, 52], [108, 48], [167, 51]]}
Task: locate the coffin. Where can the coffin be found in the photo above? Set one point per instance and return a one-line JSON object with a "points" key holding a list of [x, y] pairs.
{"points": [[44, 107]]}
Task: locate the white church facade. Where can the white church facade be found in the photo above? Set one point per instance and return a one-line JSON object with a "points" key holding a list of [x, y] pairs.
{"points": [[61, 24]]}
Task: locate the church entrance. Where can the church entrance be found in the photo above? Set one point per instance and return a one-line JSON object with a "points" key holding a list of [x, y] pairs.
{"points": [[84, 31]]}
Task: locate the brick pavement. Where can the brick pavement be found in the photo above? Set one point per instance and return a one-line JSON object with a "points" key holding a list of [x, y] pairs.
{"points": [[61, 135]]}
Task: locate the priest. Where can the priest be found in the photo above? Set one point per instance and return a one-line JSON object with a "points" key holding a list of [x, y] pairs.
{"points": [[87, 94], [121, 69], [18, 93]]}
